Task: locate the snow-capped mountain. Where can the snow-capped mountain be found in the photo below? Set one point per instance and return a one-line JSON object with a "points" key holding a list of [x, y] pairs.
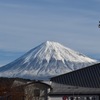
{"points": [[46, 60]]}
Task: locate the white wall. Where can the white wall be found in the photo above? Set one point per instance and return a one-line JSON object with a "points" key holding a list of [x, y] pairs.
{"points": [[80, 97], [55, 98]]}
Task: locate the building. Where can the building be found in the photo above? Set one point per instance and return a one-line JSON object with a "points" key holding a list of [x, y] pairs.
{"points": [[37, 91], [20, 89], [82, 84]]}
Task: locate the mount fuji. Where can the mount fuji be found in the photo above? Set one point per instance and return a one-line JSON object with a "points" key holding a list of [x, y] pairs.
{"points": [[46, 60]]}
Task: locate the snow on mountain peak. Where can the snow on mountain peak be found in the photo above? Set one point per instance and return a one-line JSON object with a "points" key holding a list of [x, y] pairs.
{"points": [[48, 50], [46, 60]]}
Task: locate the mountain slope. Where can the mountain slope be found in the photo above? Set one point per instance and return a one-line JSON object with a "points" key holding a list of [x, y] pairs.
{"points": [[46, 60]]}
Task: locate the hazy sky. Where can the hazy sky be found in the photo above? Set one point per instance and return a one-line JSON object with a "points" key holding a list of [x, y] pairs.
{"points": [[25, 24]]}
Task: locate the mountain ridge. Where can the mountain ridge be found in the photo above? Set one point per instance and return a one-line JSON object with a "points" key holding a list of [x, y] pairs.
{"points": [[46, 60]]}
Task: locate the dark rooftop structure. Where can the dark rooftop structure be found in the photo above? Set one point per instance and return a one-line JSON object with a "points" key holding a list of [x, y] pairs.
{"points": [[83, 82], [85, 77]]}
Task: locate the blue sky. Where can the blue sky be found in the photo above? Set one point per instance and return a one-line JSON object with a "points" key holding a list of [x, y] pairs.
{"points": [[25, 24]]}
